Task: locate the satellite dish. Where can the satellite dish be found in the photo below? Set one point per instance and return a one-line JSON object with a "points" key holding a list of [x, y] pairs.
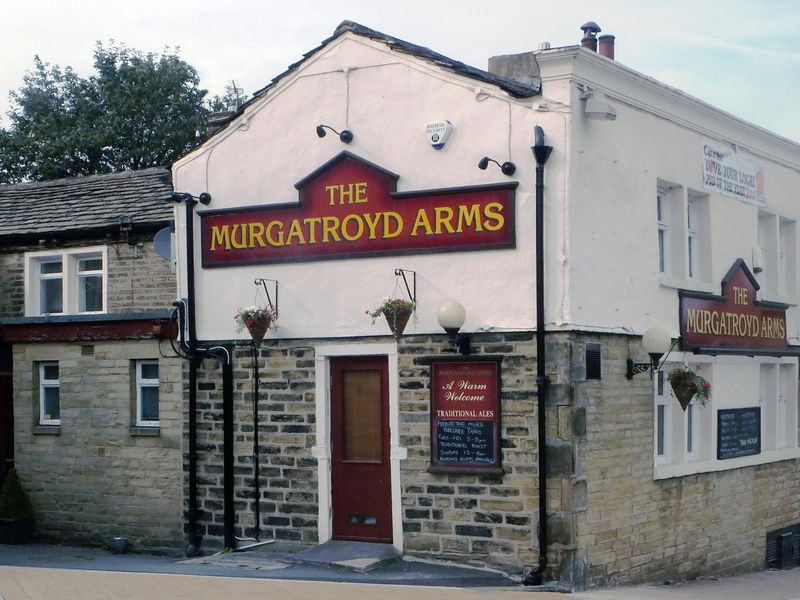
{"points": [[163, 244]]}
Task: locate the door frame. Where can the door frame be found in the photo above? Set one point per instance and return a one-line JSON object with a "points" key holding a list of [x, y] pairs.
{"points": [[322, 449]]}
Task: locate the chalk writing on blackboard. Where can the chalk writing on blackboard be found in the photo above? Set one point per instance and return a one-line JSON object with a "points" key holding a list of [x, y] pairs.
{"points": [[738, 432], [465, 442]]}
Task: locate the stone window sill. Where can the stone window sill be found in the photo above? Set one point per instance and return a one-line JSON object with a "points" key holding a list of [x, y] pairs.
{"points": [[145, 431], [47, 430]]}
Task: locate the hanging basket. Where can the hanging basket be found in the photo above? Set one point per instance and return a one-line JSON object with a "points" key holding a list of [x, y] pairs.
{"points": [[258, 329], [684, 392], [397, 321]]}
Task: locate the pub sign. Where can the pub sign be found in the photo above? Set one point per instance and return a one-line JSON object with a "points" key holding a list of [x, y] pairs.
{"points": [[349, 208], [733, 322], [465, 415]]}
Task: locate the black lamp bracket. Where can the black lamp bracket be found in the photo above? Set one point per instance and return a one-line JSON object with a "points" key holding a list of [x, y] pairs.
{"points": [[411, 295], [263, 283], [654, 366]]}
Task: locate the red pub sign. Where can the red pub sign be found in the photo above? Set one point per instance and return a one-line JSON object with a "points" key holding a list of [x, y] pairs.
{"points": [[735, 321], [348, 208], [465, 415]]}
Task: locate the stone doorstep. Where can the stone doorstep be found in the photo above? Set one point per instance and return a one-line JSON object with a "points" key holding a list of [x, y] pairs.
{"points": [[359, 557]]}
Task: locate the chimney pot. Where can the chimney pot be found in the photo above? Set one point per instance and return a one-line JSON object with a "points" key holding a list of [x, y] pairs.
{"points": [[607, 46], [590, 31]]}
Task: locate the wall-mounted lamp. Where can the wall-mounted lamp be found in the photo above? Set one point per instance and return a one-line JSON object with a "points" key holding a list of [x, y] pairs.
{"points": [[451, 317], [657, 342], [203, 198], [596, 106], [345, 134], [508, 168]]}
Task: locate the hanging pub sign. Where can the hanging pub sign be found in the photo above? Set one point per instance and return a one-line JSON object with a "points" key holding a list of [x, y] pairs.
{"points": [[734, 322], [465, 415], [348, 208]]}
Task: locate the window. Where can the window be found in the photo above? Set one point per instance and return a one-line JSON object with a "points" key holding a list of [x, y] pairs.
{"points": [[66, 282], [147, 393], [686, 442], [787, 262], [49, 391], [684, 238], [775, 257]]}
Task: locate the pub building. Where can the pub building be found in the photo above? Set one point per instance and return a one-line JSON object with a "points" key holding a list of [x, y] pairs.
{"points": [[580, 244]]}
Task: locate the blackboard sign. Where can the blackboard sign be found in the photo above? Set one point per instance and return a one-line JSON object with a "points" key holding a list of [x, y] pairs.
{"points": [[738, 432], [465, 415], [464, 442]]}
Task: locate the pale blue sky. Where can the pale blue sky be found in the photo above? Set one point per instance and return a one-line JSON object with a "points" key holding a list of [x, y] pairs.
{"points": [[741, 56]]}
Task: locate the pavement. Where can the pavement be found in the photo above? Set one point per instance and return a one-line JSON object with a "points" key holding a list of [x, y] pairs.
{"points": [[45, 572]]}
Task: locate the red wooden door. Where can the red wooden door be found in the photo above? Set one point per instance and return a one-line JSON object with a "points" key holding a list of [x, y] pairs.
{"points": [[6, 413], [361, 478]]}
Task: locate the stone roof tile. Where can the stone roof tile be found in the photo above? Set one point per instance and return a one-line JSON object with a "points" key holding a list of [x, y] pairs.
{"points": [[89, 203]]}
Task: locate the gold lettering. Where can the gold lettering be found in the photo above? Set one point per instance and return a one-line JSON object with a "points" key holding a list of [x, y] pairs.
{"points": [[312, 223], [241, 243], [278, 242], [329, 229], [359, 227], [361, 192], [691, 320], [372, 223], [331, 189], [493, 213], [739, 295], [220, 237], [422, 221], [715, 322], [256, 234], [398, 222], [706, 321], [444, 214], [295, 231], [469, 216]]}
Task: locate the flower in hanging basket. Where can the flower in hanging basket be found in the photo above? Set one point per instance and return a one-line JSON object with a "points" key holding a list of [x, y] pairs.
{"points": [[256, 319], [686, 384], [396, 311]]}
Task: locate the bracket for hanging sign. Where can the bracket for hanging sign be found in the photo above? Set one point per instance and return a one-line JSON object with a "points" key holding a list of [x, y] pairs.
{"points": [[263, 283], [411, 295]]}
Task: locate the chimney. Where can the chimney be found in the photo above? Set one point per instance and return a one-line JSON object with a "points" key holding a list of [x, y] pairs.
{"points": [[606, 46], [590, 31]]}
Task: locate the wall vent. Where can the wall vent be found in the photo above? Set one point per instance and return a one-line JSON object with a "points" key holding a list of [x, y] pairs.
{"points": [[783, 547], [87, 350], [593, 363]]}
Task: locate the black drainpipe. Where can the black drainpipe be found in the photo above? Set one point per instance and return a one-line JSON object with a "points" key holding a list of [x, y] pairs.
{"points": [[195, 538], [541, 153], [228, 516]]}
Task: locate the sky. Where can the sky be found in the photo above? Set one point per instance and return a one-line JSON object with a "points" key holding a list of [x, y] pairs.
{"points": [[738, 55]]}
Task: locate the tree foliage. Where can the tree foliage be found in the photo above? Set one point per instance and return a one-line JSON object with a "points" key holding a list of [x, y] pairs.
{"points": [[137, 110]]}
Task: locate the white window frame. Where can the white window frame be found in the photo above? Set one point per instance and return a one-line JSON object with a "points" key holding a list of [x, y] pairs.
{"points": [[46, 384], [684, 237], [772, 384], [141, 383], [71, 277]]}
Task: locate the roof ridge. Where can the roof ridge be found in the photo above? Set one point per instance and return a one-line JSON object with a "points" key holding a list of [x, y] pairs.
{"points": [[82, 179]]}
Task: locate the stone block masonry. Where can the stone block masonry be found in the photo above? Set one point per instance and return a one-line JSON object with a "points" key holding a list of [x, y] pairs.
{"points": [[94, 476], [609, 520]]}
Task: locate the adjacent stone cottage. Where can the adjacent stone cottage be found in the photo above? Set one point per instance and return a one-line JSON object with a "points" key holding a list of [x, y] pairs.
{"points": [[91, 392]]}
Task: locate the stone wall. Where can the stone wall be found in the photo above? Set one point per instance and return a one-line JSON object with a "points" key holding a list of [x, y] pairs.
{"points": [[474, 519], [632, 528], [288, 473], [12, 284], [94, 477], [609, 521]]}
